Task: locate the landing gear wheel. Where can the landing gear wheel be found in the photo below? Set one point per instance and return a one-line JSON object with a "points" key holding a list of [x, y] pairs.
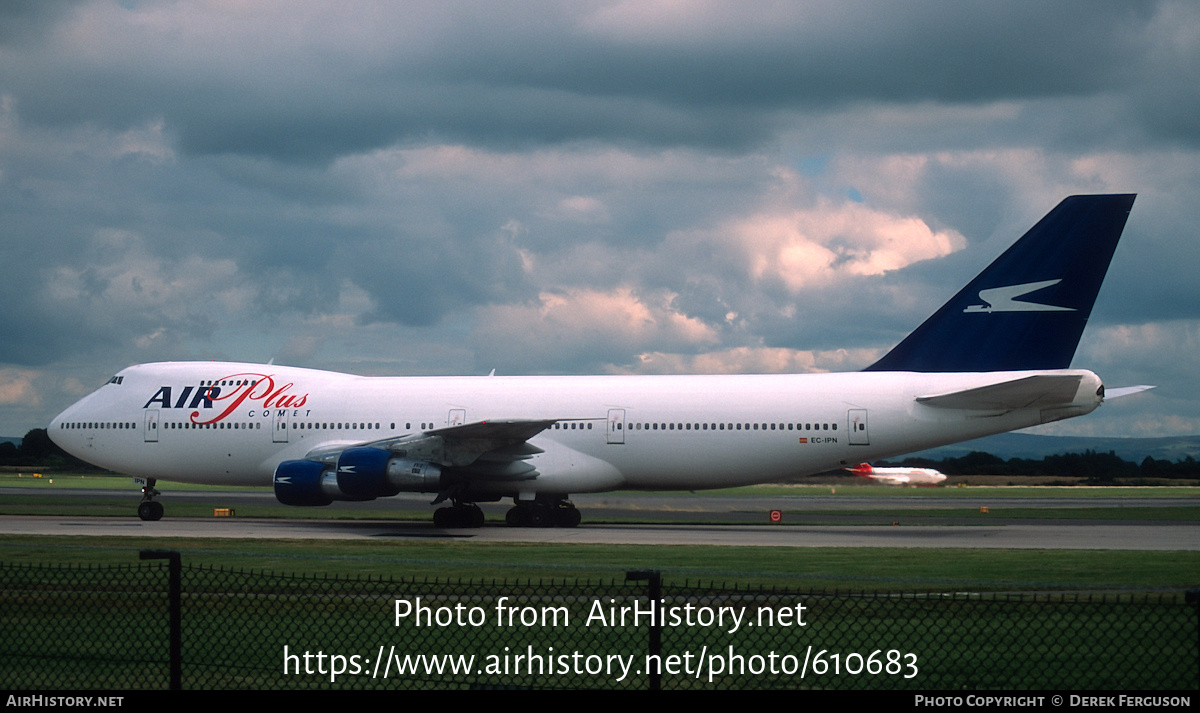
{"points": [[543, 514], [442, 517], [538, 516], [461, 515], [515, 517], [150, 510], [474, 515], [568, 517]]}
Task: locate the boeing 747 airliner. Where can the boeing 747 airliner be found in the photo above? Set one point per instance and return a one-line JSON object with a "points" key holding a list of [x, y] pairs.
{"points": [[995, 358]]}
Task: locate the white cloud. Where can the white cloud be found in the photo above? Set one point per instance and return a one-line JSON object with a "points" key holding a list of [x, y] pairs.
{"points": [[17, 387], [582, 209], [829, 242], [744, 360], [599, 327]]}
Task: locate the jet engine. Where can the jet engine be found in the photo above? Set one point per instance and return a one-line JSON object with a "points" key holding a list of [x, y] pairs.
{"points": [[361, 474]]}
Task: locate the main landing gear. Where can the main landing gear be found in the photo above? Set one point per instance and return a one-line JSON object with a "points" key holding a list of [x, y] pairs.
{"points": [[458, 515], [150, 509], [543, 512], [553, 511]]}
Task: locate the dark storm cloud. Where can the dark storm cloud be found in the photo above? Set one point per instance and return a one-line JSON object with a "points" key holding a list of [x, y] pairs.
{"points": [[514, 74], [28, 21], [820, 54]]}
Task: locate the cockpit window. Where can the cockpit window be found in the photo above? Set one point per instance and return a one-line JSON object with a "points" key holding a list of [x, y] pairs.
{"points": [[116, 380]]}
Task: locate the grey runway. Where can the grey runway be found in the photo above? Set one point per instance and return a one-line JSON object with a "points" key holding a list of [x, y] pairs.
{"points": [[674, 520]]}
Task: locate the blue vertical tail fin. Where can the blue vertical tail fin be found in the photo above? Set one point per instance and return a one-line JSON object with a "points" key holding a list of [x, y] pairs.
{"points": [[1028, 309]]}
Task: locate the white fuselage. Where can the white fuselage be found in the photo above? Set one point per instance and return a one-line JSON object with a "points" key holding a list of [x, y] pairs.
{"points": [[168, 421]]}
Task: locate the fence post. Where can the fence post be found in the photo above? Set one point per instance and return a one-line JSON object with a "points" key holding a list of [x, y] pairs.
{"points": [[1192, 596], [174, 587], [655, 578]]}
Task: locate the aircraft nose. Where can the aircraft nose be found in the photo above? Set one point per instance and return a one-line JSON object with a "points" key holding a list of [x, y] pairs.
{"points": [[57, 429]]}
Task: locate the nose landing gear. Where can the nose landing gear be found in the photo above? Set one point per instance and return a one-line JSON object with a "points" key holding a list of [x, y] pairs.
{"points": [[150, 509]]}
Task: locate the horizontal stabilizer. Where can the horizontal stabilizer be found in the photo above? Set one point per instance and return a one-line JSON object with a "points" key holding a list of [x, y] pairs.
{"points": [[1039, 391], [1124, 391]]}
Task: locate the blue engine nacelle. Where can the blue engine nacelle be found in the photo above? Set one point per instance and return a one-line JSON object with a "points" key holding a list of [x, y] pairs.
{"points": [[298, 482], [361, 474], [375, 473]]}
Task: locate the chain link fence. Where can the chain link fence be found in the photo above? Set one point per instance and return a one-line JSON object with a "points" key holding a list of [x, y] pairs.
{"points": [[127, 627]]}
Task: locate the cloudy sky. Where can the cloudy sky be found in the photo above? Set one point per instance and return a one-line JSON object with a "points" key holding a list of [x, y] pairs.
{"points": [[586, 187]]}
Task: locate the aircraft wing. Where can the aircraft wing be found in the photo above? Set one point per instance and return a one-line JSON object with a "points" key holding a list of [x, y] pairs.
{"points": [[493, 433], [487, 448], [448, 461], [1040, 390]]}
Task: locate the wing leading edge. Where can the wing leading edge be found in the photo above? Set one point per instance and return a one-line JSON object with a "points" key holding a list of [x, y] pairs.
{"points": [[455, 446]]}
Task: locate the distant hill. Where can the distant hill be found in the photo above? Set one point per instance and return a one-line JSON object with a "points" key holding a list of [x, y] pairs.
{"points": [[15, 441], [1025, 445]]}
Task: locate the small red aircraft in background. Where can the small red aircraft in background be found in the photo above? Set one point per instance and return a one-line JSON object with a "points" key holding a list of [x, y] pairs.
{"points": [[899, 476]]}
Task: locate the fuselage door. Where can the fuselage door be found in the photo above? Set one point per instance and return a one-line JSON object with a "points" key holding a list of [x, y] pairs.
{"points": [[858, 427], [279, 434], [616, 425], [151, 429], [458, 417]]}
